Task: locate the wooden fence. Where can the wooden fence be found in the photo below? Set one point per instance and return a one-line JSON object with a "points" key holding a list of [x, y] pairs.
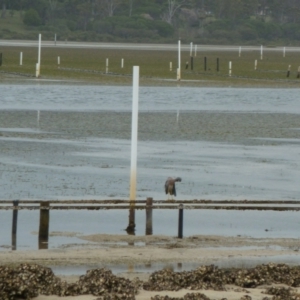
{"points": [[44, 206]]}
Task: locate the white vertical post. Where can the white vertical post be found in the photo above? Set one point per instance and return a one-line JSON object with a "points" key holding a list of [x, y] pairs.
{"points": [[21, 58], [38, 118], [106, 70], [37, 70], [134, 132], [230, 68], [261, 52], [58, 60], [55, 39], [283, 51], [171, 66], [122, 63], [191, 49], [179, 61], [240, 51], [39, 57], [195, 50], [255, 64]]}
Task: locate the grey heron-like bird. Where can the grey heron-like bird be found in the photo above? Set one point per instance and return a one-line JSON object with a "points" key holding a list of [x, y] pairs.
{"points": [[170, 188]]}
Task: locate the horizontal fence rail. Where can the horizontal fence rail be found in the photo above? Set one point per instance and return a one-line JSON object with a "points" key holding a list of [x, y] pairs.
{"points": [[275, 205], [119, 201]]}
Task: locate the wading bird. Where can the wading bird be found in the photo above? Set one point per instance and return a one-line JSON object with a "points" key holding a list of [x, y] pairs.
{"points": [[170, 186]]}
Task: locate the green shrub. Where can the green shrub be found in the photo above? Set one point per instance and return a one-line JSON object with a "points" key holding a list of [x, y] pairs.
{"points": [[32, 18]]}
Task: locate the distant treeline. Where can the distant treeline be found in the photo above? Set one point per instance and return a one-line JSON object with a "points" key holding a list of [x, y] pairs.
{"points": [[202, 21]]}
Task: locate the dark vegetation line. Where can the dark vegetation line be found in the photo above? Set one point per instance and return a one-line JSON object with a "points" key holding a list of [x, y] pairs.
{"points": [[268, 22]]}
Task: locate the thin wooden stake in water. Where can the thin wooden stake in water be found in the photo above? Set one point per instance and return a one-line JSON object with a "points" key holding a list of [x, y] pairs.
{"points": [[255, 64], [261, 52], [134, 137], [171, 67], [58, 61], [21, 58], [14, 226], [122, 63], [230, 68], [283, 51], [44, 225], [38, 118]]}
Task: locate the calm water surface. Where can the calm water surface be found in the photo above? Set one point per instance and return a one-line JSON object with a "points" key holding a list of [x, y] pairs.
{"points": [[34, 164]]}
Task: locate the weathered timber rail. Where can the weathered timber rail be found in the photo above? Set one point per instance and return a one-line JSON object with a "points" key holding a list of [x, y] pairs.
{"points": [[120, 201], [276, 205]]}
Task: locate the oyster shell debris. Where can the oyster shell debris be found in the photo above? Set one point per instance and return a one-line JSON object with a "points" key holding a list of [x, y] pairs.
{"points": [[211, 277], [29, 280]]}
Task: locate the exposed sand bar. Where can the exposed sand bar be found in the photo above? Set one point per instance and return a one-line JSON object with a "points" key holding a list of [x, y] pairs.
{"points": [[160, 249]]}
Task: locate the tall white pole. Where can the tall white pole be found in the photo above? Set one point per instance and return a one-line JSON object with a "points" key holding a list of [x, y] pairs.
{"points": [[134, 132], [261, 52], [179, 61], [39, 57], [283, 51], [58, 60], [106, 71], [255, 64], [21, 58], [230, 68], [122, 63], [191, 49]]}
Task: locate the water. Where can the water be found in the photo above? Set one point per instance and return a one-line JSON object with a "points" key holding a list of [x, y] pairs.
{"points": [[119, 98], [73, 142]]}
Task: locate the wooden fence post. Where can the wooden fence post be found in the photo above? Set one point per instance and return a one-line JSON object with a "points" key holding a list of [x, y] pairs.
{"points": [[149, 210], [44, 225], [180, 221], [14, 225]]}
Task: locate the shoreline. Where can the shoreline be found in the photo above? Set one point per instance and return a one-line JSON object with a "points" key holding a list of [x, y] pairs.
{"points": [[104, 249], [199, 251]]}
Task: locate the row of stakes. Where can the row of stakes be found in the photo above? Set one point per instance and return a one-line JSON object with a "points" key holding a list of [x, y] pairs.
{"points": [[171, 67]]}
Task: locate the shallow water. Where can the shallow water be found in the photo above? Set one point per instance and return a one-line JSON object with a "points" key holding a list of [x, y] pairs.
{"points": [[73, 142], [230, 262], [119, 98]]}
